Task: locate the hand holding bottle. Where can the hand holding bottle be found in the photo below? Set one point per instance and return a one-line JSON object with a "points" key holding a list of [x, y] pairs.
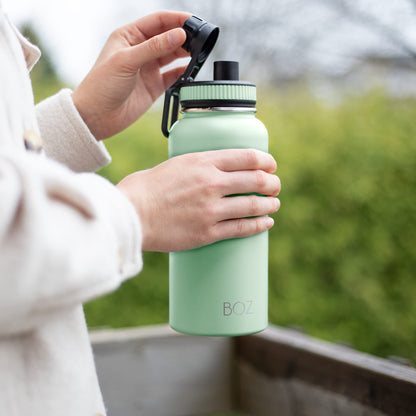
{"points": [[183, 201]]}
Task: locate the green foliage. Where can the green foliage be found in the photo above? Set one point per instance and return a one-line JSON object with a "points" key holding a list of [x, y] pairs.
{"points": [[342, 252], [342, 255]]}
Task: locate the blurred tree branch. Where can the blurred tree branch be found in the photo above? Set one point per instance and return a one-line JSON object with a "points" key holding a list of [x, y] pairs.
{"points": [[368, 20], [290, 39]]}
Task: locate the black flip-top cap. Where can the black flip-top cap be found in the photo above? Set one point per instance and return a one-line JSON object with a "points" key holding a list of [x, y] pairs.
{"points": [[200, 38]]}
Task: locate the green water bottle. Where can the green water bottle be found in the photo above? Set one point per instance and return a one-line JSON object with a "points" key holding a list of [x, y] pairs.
{"points": [[220, 289]]}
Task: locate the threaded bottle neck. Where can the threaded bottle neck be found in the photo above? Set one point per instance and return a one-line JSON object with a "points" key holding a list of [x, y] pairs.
{"points": [[218, 94]]}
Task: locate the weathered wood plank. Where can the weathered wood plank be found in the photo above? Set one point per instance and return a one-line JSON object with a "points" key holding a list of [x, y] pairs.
{"points": [[155, 372], [290, 374]]}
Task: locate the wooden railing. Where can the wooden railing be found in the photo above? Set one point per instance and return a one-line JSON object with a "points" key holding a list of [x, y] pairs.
{"points": [[153, 371]]}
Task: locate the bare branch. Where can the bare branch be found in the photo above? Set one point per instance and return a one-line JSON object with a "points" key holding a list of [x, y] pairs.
{"points": [[369, 21]]}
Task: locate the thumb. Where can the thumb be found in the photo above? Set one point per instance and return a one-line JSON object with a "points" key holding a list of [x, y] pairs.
{"points": [[154, 48]]}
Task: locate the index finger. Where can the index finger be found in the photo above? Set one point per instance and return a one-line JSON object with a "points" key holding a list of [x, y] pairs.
{"points": [[230, 160], [154, 24]]}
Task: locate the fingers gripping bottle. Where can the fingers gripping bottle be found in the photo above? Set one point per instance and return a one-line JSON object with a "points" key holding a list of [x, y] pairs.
{"points": [[220, 289]]}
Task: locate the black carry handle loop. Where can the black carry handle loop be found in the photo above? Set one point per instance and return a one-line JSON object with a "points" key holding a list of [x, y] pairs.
{"points": [[173, 91], [200, 40]]}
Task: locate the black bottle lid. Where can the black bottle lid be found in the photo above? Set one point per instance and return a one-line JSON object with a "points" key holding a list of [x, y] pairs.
{"points": [[201, 37]]}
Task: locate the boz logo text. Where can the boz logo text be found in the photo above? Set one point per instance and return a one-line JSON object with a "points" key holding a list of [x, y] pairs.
{"points": [[238, 308]]}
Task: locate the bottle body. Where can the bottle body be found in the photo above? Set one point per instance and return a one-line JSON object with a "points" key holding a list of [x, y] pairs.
{"points": [[220, 289]]}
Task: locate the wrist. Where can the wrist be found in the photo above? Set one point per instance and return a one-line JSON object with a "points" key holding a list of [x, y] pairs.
{"points": [[129, 186], [89, 118]]}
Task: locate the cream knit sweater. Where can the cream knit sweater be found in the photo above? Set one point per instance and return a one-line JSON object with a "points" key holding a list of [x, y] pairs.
{"points": [[65, 238]]}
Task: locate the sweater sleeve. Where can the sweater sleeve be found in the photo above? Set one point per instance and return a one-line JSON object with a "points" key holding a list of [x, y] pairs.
{"points": [[66, 138], [64, 238]]}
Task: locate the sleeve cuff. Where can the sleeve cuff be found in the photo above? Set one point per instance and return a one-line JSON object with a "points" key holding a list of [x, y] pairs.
{"points": [[126, 224], [66, 138]]}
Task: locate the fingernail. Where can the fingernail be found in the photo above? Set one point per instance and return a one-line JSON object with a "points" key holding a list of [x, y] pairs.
{"points": [[269, 222], [277, 203], [175, 37]]}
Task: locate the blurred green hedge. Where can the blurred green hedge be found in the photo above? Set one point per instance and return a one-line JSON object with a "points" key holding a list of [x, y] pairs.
{"points": [[342, 263]]}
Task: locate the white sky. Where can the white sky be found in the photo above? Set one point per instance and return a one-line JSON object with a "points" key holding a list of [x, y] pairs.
{"points": [[74, 31]]}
